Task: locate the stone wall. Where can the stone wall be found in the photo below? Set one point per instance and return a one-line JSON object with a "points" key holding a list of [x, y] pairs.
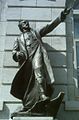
{"points": [[39, 13]]}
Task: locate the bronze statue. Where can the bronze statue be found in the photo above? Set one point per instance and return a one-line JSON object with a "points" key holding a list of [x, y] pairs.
{"points": [[33, 82]]}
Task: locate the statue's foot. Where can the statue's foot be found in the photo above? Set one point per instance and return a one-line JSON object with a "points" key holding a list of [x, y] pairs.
{"points": [[40, 106], [44, 98], [37, 109]]}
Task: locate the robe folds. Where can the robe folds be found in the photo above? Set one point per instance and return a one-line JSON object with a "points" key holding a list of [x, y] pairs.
{"points": [[24, 79], [24, 86]]}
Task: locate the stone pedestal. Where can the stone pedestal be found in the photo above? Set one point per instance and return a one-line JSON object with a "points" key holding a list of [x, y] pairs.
{"points": [[33, 118]]}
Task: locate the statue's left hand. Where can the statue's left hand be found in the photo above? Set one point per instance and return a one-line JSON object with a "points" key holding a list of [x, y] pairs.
{"points": [[65, 13], [20, 56]]}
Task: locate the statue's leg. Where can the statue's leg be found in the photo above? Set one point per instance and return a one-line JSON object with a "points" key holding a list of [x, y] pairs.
{"points": [[39, 72]]}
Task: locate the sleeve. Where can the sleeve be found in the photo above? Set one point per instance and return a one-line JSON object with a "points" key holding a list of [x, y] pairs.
{"points": [[15, 50], [49, 27]]}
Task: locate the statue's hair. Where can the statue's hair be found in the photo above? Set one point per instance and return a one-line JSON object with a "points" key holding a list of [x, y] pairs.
{"points": [[20, 24]]}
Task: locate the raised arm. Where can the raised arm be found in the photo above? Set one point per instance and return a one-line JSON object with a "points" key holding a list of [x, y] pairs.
{"points": [[49, 27], [53, 24]]}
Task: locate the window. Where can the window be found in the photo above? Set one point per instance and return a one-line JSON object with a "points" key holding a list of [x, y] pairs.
{"points": [[76, 26], [76, 4], [76, 36]]}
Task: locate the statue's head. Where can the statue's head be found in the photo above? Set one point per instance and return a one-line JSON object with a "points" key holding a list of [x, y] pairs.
{"points": [[24, 25]]}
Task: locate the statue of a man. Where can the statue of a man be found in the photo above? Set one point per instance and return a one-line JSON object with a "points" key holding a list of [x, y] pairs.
{"points": [[35, 75]]}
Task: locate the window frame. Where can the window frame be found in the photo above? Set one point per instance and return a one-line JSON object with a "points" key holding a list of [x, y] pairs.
{"points": [[76, 69]]}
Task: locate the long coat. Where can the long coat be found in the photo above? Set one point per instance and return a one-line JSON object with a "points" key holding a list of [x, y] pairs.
{"points": [[25, 73]]}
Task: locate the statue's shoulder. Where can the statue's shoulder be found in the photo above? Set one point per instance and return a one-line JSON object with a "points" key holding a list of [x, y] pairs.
{"points": [[20, 37], [36, 32]]}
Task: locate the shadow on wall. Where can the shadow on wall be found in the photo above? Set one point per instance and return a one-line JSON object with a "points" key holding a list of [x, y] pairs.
{"points": [[60, 73], [4, 114], [54, 61]]}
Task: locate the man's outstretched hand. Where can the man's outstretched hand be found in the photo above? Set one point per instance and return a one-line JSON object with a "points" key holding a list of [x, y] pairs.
{"points": [[65, 13]]}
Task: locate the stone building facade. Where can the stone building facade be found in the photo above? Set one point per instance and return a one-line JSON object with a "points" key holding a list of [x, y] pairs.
{"points": [[62, 46]]}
